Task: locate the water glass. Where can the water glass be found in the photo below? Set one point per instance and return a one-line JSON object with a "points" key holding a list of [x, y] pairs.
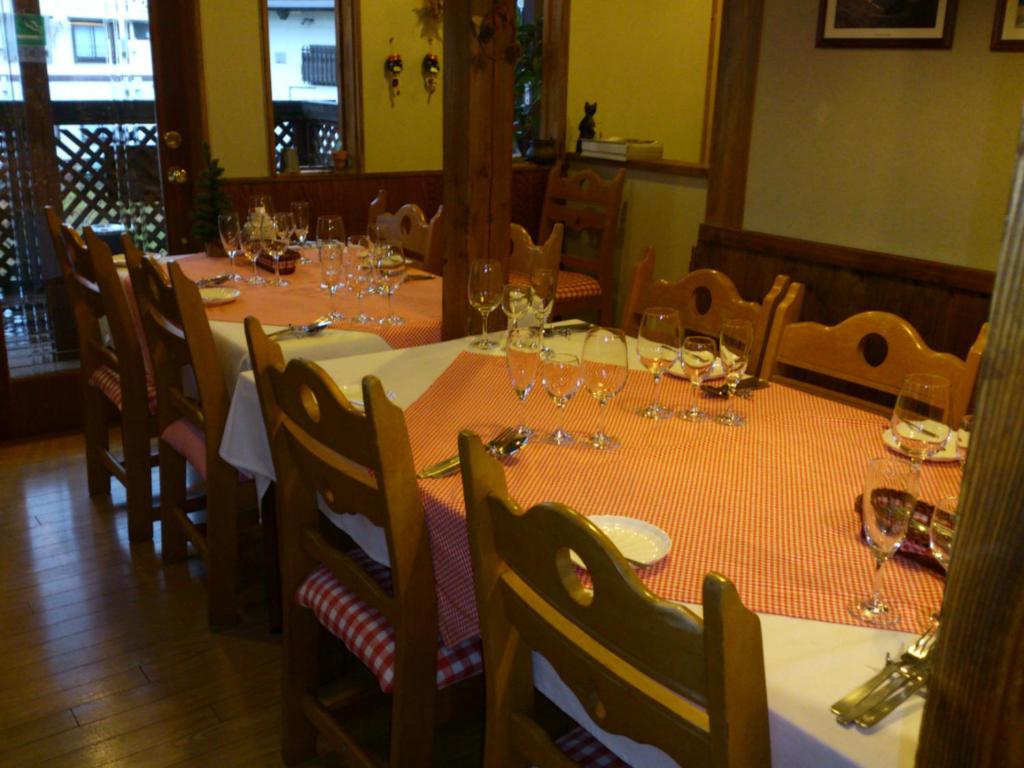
{"points": [[277, 243], [734, 343], [605, 369], [522, 357], [891, 489], [251, 241], [300, 221], [698, 355], [231, 238], [560, 376], [486, 285], [919, 419], [363, 276], [657, 346]]}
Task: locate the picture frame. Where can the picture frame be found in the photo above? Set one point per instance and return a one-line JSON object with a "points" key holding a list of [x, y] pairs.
{"points": [[1008, 28], [886, 23]]}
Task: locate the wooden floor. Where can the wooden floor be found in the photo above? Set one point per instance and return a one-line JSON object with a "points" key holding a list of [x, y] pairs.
{"points": [[105, 655]]}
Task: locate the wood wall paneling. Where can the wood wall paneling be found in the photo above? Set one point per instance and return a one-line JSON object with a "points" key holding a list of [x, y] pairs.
{"points": [[947, 304]]}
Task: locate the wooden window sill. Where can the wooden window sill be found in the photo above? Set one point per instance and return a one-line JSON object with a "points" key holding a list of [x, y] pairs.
{"points": [[669, 167]]}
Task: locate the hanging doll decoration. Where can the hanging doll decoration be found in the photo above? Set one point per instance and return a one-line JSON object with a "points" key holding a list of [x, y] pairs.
{"points": [[431, 70], [393, 67]]}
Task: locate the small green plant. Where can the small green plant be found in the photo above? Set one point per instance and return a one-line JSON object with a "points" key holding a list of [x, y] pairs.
{"points": [[210, 201], [527, 83]]}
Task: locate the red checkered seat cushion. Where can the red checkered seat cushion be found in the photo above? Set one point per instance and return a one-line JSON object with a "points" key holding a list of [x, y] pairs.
{"points": [[369, 635], [576, 285], [584, 750], [108, 381]]}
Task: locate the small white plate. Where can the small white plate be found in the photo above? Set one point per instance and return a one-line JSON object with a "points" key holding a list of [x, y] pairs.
{"points": [[948, 453], [354, 394], [716, 371], [216, 295], [638, 541]]}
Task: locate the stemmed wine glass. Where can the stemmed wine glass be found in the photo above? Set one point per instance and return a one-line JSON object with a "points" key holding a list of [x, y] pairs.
{"points": [[485, 290], [542, 295], [515, 300], [329, 229], [918, 422], [522, 356], [361, 255], [277, 243], [391, 273], [605, 368], [657, 346], [300, 223], [230, 238], [560, 375], [332, 268], [251, 240], [942, 530], [698, 355], [890, 492], [734, 350]]}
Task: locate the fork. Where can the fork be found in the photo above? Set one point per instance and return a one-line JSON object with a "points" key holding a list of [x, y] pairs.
{"points": [[875, 690], [449, 465]]}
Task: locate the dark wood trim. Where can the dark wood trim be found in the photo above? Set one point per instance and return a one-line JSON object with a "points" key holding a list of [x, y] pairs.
{"points": [[998, 42], [268, 99], [555, 74], [711, 86], [667, 167], [740, 49], [351, 79]]}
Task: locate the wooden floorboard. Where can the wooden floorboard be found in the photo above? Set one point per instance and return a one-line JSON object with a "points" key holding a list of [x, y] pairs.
{"points": [[106, 658]]}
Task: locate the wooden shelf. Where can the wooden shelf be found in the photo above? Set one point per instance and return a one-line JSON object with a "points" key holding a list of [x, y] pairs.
{"points": [[669, 167]]}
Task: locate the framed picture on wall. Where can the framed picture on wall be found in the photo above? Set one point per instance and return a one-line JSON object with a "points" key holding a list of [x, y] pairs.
{"points": [[1008, 31], [887, 23]]}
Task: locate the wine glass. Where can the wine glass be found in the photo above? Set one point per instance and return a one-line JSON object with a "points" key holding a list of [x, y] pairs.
{"points": [[698, 355], [542, 295], [330, 228], [605, 368], [942, 529], [734, 344], [391, 273], [277, 243], [919, 419], [560, 375], [515, 300], [485, 290], [230, 238], [362, 276], [260, 206], [332, 268], [522, 357], [300, 221], [890, 492], [251, 240], [657, 346]]}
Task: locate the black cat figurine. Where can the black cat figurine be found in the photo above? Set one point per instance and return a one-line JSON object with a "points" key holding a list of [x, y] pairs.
{"points": [[587, 124]]}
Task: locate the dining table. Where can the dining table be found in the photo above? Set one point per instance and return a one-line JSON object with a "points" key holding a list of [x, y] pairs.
{"points": [[770, 505]]}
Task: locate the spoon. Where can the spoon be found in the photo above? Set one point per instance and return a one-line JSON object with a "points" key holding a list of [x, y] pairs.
{"points": [[507, 443]]}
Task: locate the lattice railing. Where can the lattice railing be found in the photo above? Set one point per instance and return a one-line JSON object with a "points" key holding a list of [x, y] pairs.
{"points": [[310, 127]]}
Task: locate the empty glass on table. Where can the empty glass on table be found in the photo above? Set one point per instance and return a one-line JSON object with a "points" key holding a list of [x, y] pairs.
{"points": [[515, 300], [734, 344], [332, 269], [362, 262], [390, 266], [276, 244], [231, 238], [697, 357], [300, 222], [919, 420], [542, 295], [560, 376], [890, 492], [251, 240], [605, 370], [657, 346], [485, 288], [522, 357]]}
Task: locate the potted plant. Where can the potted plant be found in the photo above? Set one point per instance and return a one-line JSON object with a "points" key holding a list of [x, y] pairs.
{"points": [[210, 202], [527, 93]]}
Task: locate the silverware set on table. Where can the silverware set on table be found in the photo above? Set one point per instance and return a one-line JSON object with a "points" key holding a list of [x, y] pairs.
{"points": [[209, 282], [299, 331], [508, 443], [900, 679]]}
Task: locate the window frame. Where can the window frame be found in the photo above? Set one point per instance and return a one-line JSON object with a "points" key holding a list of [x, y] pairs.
{"points": [[349, 76], [106, 28]]}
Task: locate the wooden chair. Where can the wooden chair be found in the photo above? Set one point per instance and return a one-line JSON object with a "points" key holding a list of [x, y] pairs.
{"points": [[640, 666], [585, 203], [408, 227], [356, 463], [524, 256], [705, 299], [114, 373], [182, 348], [864, 359]]}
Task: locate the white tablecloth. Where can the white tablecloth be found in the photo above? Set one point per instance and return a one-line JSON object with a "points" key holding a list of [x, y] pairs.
{"points": [[808, 664]]}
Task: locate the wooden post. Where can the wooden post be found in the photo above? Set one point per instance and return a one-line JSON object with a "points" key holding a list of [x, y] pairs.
{"points": [[975, 710], [480, 55], [556, 73]]}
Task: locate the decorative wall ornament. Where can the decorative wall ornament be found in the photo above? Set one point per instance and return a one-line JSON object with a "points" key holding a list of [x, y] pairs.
{"points": [[431, 70], [886, 23], [1008, 32], [393, 66], [431, 17]]}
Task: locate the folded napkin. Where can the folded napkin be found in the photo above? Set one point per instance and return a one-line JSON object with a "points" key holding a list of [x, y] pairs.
{"points": [[288, 262], [917, 545]]}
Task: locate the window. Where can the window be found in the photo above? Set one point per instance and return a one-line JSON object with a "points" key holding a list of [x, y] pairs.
{"points": [[92, 41], [312, 80], [140, 30]]}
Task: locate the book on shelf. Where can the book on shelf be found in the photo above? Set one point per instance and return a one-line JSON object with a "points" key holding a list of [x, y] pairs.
{"points": [[622, 149]]}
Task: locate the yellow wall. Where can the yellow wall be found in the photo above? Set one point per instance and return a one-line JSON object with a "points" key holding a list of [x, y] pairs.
{"points": [[903, 151], [407, 136], [645, 64]]}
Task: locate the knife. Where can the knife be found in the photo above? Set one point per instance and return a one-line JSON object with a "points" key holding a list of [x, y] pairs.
{"points": [[206, 282], [565, 330], [417, 276], [911, 686]]}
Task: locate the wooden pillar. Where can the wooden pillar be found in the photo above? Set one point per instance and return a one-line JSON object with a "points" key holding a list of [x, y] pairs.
{"points": [[480, 55], [555, 74], [740, 49], [975, 710]]}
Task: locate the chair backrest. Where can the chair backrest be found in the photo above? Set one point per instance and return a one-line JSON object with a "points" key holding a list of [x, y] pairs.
{"points": [[419, 238], [357, 463], [524, 256], [86, 303], [705, 299], [584, 202], [864, 359], [640, 666]]}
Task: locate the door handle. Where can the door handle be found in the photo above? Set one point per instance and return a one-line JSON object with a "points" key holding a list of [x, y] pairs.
{"points": [[177, 175]]}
